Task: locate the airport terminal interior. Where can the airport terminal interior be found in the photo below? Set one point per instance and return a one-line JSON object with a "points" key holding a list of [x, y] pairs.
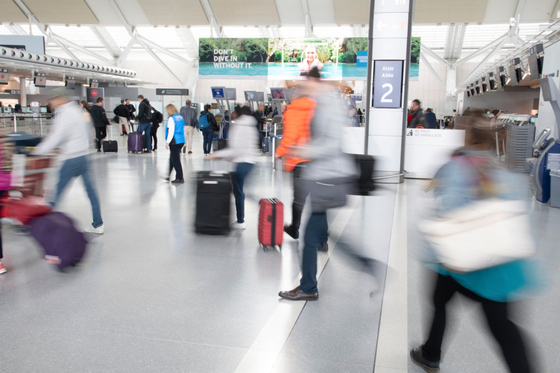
{"points": [[196, 126]]}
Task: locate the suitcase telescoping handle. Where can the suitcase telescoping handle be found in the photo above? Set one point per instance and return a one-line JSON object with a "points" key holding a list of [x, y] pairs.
{"points": [[272, 219]]}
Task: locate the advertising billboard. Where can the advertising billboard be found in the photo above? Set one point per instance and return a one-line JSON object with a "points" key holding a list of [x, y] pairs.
{"points": [[289, 58]]}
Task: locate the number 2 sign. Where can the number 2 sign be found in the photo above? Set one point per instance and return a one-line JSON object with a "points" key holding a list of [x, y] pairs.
{"points": [[387, 83]]}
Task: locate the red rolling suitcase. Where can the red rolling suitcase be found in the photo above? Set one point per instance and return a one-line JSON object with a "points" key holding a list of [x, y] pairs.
{"points": [[271, 222]]}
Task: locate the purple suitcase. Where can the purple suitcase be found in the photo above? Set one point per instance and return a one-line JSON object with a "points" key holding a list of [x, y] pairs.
{"points": [[135, 142], [63, 244]]}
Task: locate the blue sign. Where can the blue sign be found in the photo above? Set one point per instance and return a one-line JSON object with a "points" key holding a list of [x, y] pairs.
{"points": [[218, 93], [387, 83], [361, 59]]}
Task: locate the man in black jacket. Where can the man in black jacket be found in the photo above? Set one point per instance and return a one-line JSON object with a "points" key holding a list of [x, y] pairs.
{"points": [[131, 110], [417, 115], [208, 133], [157, 119], [100, 122], [144, 118], [121, 112]]}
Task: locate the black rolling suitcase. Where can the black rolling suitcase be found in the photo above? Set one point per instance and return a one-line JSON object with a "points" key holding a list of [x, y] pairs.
{"points": [[110, 146], [213, 199], [364, 182]]}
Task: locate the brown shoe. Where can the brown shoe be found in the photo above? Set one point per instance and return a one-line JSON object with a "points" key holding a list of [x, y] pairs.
{"points": [[147, 151], [190, 152], [297, 294]]}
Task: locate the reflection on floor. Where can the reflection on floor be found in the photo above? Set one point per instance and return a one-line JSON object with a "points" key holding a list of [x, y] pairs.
{"points": [[151, 296]]}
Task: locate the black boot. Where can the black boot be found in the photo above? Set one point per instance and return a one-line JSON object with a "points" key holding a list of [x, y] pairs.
{"points": [[418, 358], [291, 231]]}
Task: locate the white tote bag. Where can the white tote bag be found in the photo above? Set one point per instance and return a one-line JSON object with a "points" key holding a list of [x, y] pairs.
{"points": [[480, 235]]}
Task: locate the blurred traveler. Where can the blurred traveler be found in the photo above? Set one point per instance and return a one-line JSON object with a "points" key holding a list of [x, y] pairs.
{"points": [[85, 106], [122, 113], [296, 135], [259, 116], [431, 119], [157, 119], [242, 150], [191, 122], [207, 124], [494, 119], [5, 182], [70, 133], [455, 113], [144, 118], [470, 176], [329, 171], [354, 120], [417, 119], [247, 107], [174, 141], [100, 122], [360, 116]]}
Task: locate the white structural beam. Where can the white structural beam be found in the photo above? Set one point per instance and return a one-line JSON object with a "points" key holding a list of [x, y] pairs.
{"points": [[122, 58], [481, 64], [15, 29], [215, 27], [358, 31], [454, 41], [107, 40], [188, 40], [158, 60], [308, 24], [71, 44], [429, 66], [480, 51], [161, 49], [43, 28], [275, 31], [431, 53], [119, 13]]}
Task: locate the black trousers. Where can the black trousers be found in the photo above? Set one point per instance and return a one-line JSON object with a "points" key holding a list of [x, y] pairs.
{"points": [[154, 138], [100, 134], [301, 191], [175, 160], [502, 328]]}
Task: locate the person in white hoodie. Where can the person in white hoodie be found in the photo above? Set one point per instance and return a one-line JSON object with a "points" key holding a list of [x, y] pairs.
{"points": [[243, 150], [70, 133]]}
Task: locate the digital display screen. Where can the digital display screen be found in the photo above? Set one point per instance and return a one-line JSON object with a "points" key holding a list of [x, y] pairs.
{"points": [[277, 93]]}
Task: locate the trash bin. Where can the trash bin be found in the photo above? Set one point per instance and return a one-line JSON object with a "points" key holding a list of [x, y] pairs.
{"points": [[555, 188]]}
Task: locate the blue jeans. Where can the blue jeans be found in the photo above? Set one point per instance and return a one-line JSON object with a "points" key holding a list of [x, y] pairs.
{"points": [[75, 167], [237, 181], [147, 129], [316, 233], [208, 134]]}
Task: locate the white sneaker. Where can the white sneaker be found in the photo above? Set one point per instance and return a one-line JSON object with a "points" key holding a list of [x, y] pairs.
{"points": [[237, 225], [98, 230]]}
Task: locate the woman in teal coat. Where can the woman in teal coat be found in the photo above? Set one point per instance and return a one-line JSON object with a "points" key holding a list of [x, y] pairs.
{"points": [[472, 175]]}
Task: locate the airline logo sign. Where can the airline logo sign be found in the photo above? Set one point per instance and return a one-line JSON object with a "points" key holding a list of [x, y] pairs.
{"points": [[171, 92], [94, 93]]}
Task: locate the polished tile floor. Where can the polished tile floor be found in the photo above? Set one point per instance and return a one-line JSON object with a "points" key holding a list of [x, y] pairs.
{"points": [[152, 296]]}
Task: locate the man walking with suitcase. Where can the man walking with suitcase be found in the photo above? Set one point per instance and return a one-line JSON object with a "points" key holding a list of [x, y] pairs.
{"points": [[191, 122], [70, 133], [100, 122]]}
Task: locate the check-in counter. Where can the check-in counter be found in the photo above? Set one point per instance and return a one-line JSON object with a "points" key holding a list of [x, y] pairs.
{"points": [[429, 149]]}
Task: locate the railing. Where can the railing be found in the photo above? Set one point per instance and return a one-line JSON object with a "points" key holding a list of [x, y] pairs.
{"points": [[35, 124]]}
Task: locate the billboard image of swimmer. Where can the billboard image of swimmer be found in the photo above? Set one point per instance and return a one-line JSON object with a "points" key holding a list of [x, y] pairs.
{"points": [[309, 60]]}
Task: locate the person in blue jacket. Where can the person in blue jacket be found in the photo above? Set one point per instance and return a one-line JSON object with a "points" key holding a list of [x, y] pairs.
{"points": [[431, 119], [174, 141], [469, 176]]}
